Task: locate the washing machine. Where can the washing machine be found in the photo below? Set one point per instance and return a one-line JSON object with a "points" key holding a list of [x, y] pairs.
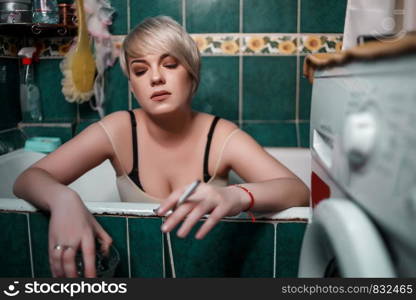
{"points": [[363, 147]]}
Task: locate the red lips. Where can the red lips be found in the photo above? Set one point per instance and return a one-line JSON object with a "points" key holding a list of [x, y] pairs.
{"points": [[159, 95]]}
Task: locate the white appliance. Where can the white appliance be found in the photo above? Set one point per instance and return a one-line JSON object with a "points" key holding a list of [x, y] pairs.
{"points": [[363, 146]]}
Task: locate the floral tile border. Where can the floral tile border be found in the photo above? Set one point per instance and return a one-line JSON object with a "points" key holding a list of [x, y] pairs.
{"points": [[320, 44], [217, 44], [270, 44], [208, 44]]}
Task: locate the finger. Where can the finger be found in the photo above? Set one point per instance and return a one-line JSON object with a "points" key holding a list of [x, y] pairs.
{"points": [[212, 220], [170, 202], [103, 238], [193, 217], [68, 261], [88, 254], [55, 260], [176, 217]]}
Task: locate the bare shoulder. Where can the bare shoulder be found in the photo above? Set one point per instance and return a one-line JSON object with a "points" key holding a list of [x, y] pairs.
{"points": [[116, 120], [223, 127]]}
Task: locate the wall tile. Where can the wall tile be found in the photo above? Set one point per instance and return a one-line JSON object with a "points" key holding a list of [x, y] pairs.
{"points": [[116, 90], [39, 227], [11, 140], [117, 229], [289, 238], [270, 16], [218, 90], [9, 91], [151, 8], [273, 134], [65, 131], [86, 112], [227, 251], [323, 16], [305, 94], [208, 16], [48, 77], [119, 25], [146, 247], [304, 129], [14, 253], [269, 85]]}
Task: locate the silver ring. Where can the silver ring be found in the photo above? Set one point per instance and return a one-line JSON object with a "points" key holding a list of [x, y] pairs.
{"points": [[62, 247]]}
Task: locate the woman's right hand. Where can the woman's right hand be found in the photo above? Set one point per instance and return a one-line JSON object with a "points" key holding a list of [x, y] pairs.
{"points": [[73, 227]]}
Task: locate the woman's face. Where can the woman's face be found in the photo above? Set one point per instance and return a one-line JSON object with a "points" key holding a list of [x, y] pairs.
{"points": [[160, 83]]}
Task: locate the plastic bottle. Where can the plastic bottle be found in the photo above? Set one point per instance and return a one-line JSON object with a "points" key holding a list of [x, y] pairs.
{"points": [[45, 11], [29, 92]]}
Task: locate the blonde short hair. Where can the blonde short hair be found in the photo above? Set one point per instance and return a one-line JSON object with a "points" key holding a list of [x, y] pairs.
{"points": [[162, 35]]}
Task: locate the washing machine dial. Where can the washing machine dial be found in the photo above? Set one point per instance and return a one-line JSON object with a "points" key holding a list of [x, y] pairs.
{"points": [[360, 134]]}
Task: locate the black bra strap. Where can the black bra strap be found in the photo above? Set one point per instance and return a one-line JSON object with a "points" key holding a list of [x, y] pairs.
{"points": [[207, 148], [134, 174]]}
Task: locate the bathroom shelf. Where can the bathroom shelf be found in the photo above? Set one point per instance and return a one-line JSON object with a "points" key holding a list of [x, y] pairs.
{"points": [[37, 30]]}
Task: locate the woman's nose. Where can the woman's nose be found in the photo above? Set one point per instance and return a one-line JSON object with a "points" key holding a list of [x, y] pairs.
{"points": [[157, 77]]}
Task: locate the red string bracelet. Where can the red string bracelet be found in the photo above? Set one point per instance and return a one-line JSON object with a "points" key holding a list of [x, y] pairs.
{"points": [[253, 219]]}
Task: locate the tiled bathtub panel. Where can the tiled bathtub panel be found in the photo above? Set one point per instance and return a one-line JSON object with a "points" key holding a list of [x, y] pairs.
{"points": [[117, 229], [218, 90], [289, 238], [14, 249], [149, 8], [146, 251], [39, 227], [231, 249]]}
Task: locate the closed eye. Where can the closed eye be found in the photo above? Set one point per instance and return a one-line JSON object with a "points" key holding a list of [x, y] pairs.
{"points": [[171, 66], [139, 72]]}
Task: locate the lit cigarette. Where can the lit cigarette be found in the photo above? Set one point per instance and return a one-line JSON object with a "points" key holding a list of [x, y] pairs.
{"points": [[188, 192]]}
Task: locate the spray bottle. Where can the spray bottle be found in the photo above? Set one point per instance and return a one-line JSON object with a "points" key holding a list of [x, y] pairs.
{"points": [[29, 92]]}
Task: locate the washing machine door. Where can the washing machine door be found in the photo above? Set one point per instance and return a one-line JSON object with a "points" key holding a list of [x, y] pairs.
{"points": [[340, 231]]}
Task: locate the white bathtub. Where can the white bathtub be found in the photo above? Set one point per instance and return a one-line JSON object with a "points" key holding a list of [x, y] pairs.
{"points": [[98, 189]]}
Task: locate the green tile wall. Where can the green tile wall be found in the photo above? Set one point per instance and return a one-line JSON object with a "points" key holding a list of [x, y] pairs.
{"points": [[270, 16], [146, 247], [231, 249], [11, 139], [323, 16], [263, 92], [218, 90], [14, 250], [204, 16], [9, 93], [289, 238]]}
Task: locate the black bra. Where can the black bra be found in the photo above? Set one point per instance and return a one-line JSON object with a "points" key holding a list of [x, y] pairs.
{"points": [[134, 174]]}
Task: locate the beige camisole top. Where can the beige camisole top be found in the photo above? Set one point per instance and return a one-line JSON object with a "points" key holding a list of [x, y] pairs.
{"points": [[130, 192]]}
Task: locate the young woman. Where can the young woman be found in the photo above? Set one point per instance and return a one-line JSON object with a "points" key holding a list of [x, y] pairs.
{"points": [[157, 151]]}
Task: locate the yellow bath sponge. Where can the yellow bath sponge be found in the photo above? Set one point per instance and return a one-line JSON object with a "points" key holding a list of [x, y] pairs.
{"points": [[78, 66]]}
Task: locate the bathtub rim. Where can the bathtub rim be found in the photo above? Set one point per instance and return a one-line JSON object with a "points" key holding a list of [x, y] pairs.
{"points": [[301, 214]]}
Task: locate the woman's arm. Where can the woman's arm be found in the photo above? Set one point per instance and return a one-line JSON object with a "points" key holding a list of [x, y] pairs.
{"points": [[45, 185], [273, 186]]}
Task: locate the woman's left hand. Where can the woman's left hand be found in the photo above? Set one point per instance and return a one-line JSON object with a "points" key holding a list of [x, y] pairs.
{"points": [[218, 202]]}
